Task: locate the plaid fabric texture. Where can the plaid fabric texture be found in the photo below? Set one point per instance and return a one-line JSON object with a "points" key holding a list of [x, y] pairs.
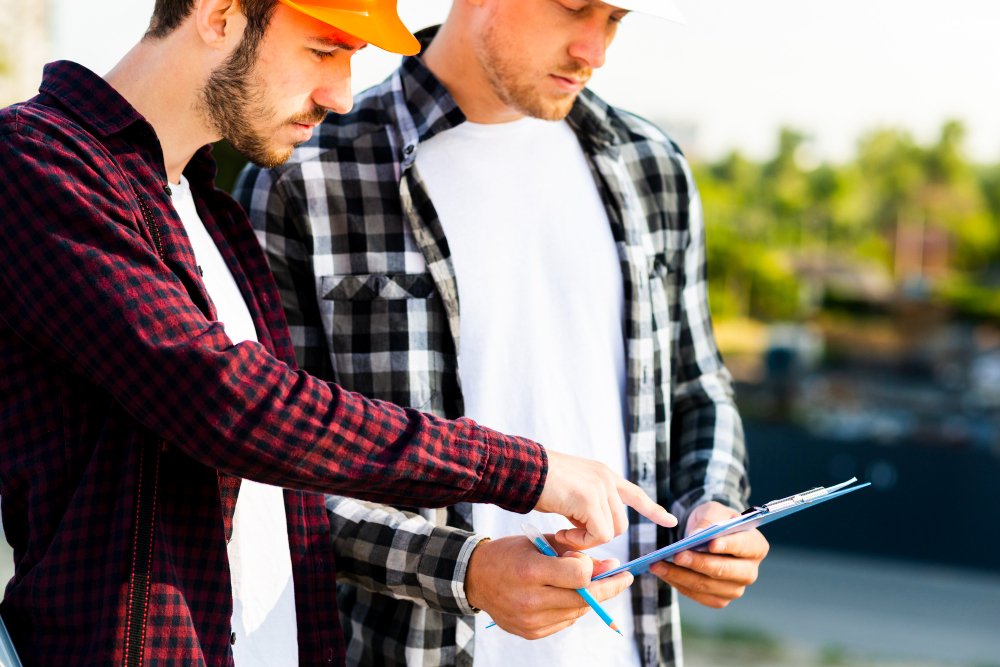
{"points": [[365, 275], [104, 345]]}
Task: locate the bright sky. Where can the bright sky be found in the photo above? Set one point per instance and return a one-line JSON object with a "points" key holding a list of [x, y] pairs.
{"points": [[738, 69]]}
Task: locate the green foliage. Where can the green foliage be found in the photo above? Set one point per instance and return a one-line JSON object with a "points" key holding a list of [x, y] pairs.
{"points": [[779, 228], [229, 165], [767, 220]]}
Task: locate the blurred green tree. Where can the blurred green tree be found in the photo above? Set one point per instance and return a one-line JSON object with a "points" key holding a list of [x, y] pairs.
{"points": [[780, 227]]}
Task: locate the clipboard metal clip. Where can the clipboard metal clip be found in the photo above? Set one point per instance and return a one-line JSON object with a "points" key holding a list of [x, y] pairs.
{"points": [[800, 498]]}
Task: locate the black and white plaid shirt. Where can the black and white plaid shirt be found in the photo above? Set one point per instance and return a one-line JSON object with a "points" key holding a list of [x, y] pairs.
{"points": [[369, 288]]}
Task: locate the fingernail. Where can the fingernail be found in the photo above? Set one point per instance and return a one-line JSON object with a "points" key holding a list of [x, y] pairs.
{"points": [[683, 558], [720, 545]]}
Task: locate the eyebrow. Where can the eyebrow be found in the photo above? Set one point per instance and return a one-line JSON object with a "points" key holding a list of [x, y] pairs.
{"points": [[335, 43]]}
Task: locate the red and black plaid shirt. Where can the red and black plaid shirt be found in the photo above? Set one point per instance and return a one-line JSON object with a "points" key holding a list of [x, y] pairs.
{"points": [[105, 345]]}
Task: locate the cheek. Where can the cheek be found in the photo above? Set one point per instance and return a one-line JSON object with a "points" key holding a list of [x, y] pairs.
{"points": [[283, 95], [281, 78]]}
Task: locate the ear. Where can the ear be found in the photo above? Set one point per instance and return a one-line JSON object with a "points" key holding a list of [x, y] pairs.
{"points": [[219, 23]]}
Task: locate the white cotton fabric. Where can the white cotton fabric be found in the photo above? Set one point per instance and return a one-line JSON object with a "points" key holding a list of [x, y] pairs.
{"points": [[541, 350], [259, 559]]}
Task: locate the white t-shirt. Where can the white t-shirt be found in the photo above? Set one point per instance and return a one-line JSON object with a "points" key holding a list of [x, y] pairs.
{"points": [[541, 350], [259, 558]]}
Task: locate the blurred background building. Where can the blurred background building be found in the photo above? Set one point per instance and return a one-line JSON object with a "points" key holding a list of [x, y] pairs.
{"points": [[25, 45], [848, 157]]}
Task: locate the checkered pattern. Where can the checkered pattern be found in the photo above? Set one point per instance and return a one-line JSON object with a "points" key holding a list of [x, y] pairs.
{"points": [[104, 345], [356, 244]]}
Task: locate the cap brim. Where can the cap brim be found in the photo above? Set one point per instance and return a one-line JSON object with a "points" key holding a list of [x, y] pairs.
{"points": [[383, 30], [664, 9]]}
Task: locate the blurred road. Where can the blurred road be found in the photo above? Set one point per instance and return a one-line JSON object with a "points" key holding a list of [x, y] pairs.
{"points": [[868, 607]]}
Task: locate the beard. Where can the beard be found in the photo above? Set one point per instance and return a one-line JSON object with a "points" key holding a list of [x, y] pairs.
{"points": [[513, 88], [236, 106]]}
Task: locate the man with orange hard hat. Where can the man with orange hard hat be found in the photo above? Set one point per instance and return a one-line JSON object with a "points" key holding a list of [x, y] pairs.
{"points": [[162, 459]]}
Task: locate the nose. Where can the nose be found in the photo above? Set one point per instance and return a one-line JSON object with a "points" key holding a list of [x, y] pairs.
{"points": [[334, 92], [591, 42]]}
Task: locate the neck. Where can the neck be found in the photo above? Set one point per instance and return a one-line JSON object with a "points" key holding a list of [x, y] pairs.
{"points": [[163, 82], [452, 58]]}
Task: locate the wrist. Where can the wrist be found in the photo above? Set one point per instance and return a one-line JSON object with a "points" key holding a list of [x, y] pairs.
{"points": [[474, 574]]}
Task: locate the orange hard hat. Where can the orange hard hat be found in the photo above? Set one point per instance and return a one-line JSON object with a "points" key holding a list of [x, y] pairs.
{"points": [[374, 21]]}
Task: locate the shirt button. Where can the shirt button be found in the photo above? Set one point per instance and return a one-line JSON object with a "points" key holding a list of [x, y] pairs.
{"points": [[409, 150], [232, 639], [166, 188]]}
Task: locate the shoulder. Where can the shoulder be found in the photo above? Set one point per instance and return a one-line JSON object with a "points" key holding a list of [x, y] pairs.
{"points": [[655, 161], [46, 140], [628, 128], [33, 121]]}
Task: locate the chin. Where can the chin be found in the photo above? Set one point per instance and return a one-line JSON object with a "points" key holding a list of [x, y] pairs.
{"points": [[552, 111], [545, 107], [273, 158]]}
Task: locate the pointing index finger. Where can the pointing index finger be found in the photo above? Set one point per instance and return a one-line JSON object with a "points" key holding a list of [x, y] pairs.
{"points": [[637, 499]]}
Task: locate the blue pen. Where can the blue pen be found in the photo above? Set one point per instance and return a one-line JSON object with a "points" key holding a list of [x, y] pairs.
{"points": [[542, 544]]}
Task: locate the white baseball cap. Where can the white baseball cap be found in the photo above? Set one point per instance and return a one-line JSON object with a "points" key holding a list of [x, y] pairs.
{"points": [[665, 9]]}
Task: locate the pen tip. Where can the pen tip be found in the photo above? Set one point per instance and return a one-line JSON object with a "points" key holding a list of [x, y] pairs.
{"points": [[614, 626]]}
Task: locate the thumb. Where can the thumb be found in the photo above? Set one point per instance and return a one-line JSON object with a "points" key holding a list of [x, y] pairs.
{"points": [[575, 538]]}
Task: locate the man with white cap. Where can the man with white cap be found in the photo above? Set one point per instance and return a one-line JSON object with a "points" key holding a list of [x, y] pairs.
{"points": [[484, 236], [163, 463]]}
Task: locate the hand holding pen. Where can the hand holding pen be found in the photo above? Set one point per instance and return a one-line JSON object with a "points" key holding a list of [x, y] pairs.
{"points": [[542, 545], [532, 595]]}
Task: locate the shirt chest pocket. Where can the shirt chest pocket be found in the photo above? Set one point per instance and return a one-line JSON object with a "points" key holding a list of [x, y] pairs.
{"points": [[378, 286], [386, 335]]}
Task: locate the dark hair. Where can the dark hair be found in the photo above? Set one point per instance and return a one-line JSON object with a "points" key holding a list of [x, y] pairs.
{"points": [[168, 14]]}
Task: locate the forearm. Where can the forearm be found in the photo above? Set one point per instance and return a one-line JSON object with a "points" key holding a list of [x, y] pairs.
{"points": [[93, 293], [401, 555], [708, 450]]}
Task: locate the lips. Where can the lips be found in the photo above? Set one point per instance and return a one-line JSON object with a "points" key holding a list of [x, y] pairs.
{"points": [[303, 131], [569, 83]]}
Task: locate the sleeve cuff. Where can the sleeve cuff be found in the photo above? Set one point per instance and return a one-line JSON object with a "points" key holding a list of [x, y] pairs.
{"points": [[513, 474], [461, 570]]}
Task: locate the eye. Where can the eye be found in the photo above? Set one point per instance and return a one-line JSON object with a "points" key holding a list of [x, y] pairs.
{"points": [[323, 55]]}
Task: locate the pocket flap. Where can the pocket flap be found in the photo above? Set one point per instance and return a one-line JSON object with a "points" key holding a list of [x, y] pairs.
{"points": [[378, 286]]}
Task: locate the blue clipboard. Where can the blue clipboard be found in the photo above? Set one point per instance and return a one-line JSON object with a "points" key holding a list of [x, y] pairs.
{"points": [[751, 518]]}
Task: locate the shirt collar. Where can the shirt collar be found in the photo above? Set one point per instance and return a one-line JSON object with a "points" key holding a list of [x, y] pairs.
{"points": [[593, 120], [429, 107], [95, 104], [102, 110]]}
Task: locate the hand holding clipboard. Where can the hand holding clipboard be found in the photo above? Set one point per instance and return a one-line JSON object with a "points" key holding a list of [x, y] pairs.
{"points": [[752, 518]]}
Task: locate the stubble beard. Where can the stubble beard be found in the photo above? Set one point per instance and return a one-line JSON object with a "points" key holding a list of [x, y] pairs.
{"points": [[505, 77], [235, 104]]}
